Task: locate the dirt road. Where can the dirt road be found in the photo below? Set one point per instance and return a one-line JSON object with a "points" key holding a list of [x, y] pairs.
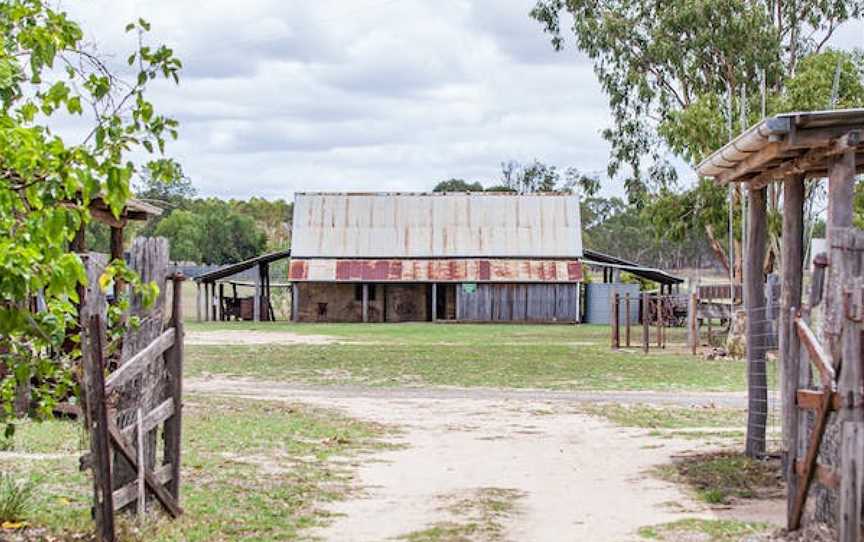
{"points": [[565, 475]]}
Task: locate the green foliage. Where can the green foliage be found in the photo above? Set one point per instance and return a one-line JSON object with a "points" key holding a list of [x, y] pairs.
{"points": [[457, 185], [666, 68], [211, 232], [812, 85], [16, 495], [48, 73]]}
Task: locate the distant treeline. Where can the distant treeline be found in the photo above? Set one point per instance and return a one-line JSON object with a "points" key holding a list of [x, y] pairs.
{"points": [[207, 230]]}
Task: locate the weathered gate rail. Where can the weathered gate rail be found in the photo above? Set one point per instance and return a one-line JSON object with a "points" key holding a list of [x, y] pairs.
{"points": [[126, 411]]}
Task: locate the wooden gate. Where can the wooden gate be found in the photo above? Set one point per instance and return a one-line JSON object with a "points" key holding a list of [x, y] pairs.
{"points": [[142, 398], [829, 430]]}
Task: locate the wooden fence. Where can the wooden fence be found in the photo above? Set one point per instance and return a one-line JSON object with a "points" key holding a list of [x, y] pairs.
{"points": [[656, 313], [140, 399]]}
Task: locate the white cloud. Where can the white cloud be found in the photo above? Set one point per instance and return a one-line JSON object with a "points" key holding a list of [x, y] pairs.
{"points": [[295, 95]]}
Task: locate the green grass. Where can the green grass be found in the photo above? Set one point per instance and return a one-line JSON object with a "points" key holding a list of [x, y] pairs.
{"points": [[251, 471], [475, 517], [718, 478], [707, 530], [668, 417], [561, 357]]}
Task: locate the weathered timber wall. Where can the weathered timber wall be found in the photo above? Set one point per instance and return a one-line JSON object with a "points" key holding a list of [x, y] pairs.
{"points": [[518, 302]]}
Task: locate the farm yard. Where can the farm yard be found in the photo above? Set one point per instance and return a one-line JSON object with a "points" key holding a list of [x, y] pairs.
{"points": [[453, 432]]}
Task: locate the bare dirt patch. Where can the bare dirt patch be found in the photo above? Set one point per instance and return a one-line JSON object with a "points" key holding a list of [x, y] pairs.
{"points": [[238, 337], [576, 476]]}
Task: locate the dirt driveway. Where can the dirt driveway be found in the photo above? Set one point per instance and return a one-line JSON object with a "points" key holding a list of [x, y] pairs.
{"points": [[564, 475]]}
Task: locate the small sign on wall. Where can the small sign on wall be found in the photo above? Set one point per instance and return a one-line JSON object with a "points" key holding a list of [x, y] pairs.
{"points": [[469, 287]]}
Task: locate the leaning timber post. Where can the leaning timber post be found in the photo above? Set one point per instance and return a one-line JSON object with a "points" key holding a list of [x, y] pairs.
{"points": [[198, 304], [174, 362], [97, 421], [646, 322], [691, 323], [365, 302], [754, 305], [627, 319], [791, 259]]}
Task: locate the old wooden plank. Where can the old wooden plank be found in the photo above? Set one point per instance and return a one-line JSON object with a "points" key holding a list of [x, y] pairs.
{"points": [[129, 493], [139, 362], [817, 355], [174, 362], [851, 478], [141, 497], [162, 495], [812, 400], [809, 462], [98, 429], [153, 418]]}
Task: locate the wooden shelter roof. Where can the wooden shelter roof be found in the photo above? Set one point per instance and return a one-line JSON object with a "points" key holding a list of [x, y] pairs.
{"points": [[239, 267], [592, 257], [788, 144], [134, 210]]}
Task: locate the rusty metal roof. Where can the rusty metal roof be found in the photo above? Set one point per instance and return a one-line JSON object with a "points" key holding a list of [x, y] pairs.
{"points": [[436, 225], [435, 270]]}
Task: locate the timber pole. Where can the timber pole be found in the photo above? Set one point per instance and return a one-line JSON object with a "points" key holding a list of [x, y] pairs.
{"points": [[754, 304], [792, 259]]}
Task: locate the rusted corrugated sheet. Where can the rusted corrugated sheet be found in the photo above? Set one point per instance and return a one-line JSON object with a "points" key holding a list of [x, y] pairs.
{"points": [[443, 270], [436, 225]]}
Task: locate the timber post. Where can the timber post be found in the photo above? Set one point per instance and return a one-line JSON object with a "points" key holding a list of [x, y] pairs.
{"points": [[754, 304], [434, 301], [646, 322], [174, 362], [295, 302], [692, 320], [365, 298], [198, 304], [627, 319]]}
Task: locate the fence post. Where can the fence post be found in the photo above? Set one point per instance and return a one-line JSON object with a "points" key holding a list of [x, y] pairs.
{"points": [[97, 427], [658, 310], [851, 477], [646, 323], [174, 362], [627, 319], [692, 323]]}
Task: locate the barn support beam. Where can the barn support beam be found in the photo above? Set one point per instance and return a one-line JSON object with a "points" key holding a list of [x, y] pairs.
{"points": [[256, 302], [754, 304], [198, 300], [792, 259], [206, 301], [365, 302], [295, 302], [434, 301]]}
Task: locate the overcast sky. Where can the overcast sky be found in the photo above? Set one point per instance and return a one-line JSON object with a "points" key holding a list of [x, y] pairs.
{"points": [[300, 95]]}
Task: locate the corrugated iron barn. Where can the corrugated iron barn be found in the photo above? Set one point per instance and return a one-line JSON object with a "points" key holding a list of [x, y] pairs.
{"points": [[397, 257]]}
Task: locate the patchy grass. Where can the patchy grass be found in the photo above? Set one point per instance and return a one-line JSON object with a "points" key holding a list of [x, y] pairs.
{"points": [[705, 530], [561, 357], [251, 471], [719, 477], [668, 417], [476, 517]]}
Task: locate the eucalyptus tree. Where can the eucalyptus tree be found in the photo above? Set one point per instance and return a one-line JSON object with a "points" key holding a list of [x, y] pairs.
{"points": [[678, 73], [50, 77]]}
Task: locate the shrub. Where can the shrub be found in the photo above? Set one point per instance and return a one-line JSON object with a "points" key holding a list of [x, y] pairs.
{"points": [[15, 497]]}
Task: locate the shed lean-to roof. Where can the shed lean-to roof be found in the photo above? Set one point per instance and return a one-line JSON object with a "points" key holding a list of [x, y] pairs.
{"points": [[787, 144], [436, 225], [234, 268]]}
